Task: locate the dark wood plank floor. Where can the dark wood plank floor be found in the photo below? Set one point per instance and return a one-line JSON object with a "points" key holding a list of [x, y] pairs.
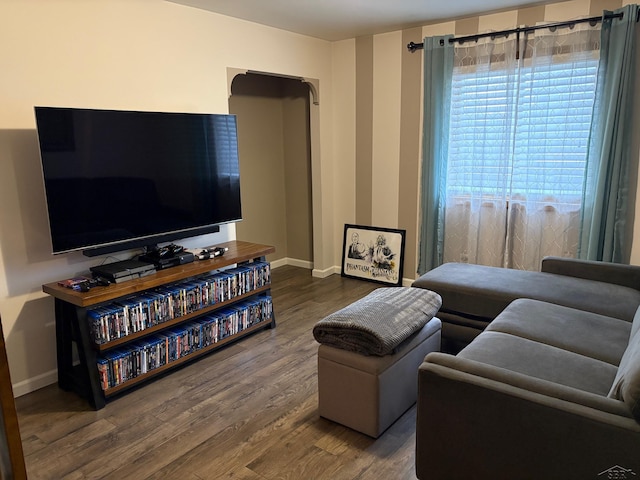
{"points": [[247, 412]]}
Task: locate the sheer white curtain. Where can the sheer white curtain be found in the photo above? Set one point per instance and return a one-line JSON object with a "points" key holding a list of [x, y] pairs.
{"points": [[520, 115]]}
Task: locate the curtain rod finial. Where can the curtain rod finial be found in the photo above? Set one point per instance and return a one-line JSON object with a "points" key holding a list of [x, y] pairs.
{"points": [[412, 47]]}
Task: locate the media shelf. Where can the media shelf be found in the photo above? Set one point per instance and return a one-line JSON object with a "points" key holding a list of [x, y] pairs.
{"points": [[74, 312]]}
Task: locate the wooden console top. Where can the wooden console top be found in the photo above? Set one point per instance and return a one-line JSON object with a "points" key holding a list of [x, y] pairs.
{"points": [[239, 252]]}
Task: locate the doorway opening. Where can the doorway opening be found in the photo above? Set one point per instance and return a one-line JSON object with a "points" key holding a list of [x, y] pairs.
{"points": [[274, 142]]}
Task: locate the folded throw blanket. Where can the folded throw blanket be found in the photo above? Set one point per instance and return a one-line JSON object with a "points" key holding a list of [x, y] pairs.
{"points": [[378, 323]]}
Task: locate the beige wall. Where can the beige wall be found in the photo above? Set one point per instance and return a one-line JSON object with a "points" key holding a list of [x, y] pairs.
{"points": [[275, 164], [297, 162], [345, 141], [261, 150], [122, 54]]}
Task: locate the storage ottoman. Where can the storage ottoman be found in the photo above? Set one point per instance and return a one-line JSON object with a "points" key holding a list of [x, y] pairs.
{"points": [[368, 392]]}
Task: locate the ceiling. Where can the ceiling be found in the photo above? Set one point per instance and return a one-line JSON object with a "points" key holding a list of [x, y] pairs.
{"points": [[341, 19]]}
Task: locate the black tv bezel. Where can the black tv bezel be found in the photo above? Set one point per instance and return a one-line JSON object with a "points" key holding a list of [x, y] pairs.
{"points": [[146, 242]]}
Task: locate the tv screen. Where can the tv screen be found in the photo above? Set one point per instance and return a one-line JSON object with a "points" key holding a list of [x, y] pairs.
{"points": [[116, 180]]}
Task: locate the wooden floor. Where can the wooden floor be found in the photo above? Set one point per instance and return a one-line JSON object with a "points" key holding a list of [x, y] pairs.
{"points": [[249, 412]]}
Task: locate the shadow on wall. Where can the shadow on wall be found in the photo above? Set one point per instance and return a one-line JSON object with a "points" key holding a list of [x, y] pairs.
{"points": [[24, 230], [27, 261], [31, 345]]}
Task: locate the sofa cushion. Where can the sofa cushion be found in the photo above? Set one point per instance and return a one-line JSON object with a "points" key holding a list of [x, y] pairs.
{"points": [[589, 334], [542, 361], [626, 385], [483, 292]]}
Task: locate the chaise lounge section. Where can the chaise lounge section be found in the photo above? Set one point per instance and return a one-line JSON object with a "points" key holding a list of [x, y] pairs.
{"points": [[473, 295], [549, 387]]}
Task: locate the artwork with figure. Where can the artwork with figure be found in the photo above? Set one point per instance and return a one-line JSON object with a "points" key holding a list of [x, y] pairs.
{"points": [[373, 253], [356, 249]]}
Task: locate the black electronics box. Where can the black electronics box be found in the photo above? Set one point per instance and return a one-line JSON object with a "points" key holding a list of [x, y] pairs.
{"points": [[117, 272], [167, 262]]}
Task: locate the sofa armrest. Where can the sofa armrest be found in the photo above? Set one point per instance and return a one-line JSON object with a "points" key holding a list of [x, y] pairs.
{"points": [[471, 426], [615, 273]]}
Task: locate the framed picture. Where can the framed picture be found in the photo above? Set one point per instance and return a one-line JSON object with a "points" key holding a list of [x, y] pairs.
{"points": [[373, 253]]}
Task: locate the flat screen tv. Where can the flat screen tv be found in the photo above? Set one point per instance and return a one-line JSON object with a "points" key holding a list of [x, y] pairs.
{"points": [[116, 180]]}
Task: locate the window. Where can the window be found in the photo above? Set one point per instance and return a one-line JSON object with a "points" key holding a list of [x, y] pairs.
{"points": [[526, 144], [526, 140]]}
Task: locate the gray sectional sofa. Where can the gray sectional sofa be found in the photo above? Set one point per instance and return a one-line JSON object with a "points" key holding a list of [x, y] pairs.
{"points": [[547, 382]]}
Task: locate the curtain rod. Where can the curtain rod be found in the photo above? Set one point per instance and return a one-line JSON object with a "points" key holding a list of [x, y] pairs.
{"points": [[412, 47]]}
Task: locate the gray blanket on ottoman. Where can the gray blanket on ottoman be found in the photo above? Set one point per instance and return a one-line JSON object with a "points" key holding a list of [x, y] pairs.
{"points": [[378, 323]]}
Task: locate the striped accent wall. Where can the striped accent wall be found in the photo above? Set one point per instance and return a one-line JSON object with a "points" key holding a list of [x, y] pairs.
{"points": [[410, 149], [388, 111], [364, 129]]}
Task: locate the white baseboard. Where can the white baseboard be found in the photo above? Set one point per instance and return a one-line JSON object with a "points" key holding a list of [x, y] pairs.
{"points": [[300, 263], [294, 262], [281, 262], [35, 383], [326, 272], [308, 265], [278, 263]]}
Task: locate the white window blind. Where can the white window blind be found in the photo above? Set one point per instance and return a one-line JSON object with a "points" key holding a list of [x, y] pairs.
{"points": [[527, 137]]}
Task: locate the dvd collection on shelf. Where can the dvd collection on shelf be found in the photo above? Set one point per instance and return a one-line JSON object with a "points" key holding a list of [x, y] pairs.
{"points": [[141, 311], [121, 365]]}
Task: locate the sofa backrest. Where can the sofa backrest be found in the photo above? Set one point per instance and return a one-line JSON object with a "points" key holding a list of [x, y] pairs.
{"points": [[626, 385]]}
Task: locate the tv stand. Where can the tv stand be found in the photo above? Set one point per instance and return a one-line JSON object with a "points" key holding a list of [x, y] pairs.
{"points": [[75, 310]]}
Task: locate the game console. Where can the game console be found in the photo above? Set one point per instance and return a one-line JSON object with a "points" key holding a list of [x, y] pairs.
{"points": [[118, 272], [162, 262]]}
